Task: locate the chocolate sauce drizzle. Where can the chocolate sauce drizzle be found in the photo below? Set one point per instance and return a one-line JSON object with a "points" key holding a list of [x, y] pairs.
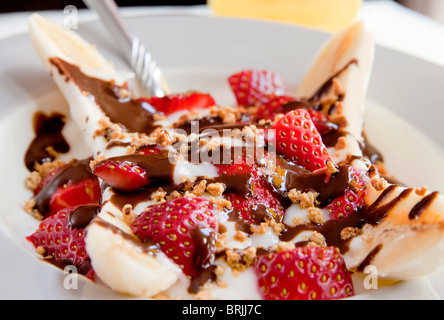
{"points": [[74, 172], [48, 133], [135, 116]]}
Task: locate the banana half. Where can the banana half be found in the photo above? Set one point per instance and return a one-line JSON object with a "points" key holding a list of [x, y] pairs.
{"points": [[402, 236]]}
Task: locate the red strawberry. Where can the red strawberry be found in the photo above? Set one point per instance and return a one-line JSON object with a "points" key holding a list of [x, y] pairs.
{"points": [[62, 236], [185, 229], [304, 273], [181, 101], [297, 139], [47, 178], [252, 206], [68, 186], [252, 87], [71, 195], [124, 175], [268, 110], [321, 122], [149, 150], [353, 198]]}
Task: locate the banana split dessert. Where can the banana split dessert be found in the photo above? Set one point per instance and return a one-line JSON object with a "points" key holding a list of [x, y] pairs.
{"points": [[276, 197]]}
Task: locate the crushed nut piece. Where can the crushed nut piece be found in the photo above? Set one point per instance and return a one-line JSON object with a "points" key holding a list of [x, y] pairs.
{"points": [[158, 195], [199, 188], [216, 189], [331, 168], [341, 144], [304, 199], [315, 215], [317, 239], [379, 183], [350, 232], [128, 214], [259, 229]]}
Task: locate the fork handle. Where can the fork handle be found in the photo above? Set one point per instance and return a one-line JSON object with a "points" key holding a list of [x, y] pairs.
{"points": [[109, 14]]}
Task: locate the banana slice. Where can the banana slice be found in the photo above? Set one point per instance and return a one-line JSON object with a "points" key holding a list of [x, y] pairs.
{"points": [[404, 238], [50, 40], [348, 59]]}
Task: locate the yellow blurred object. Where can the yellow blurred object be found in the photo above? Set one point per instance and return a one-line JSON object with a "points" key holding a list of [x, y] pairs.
{"points": [[328, 15]]}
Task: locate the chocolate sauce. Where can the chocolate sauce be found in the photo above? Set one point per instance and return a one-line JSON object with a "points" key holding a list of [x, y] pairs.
{"points": [[48, 133], [204, 240], [370, 151], [215, 124], [82, 215], [328, 187], [74, 172], [422, 205], [326, 86], [135, 116], [368, 260]]}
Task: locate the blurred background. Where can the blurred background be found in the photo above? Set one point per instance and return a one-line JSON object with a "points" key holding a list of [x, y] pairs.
{"points": [[245, 8]]}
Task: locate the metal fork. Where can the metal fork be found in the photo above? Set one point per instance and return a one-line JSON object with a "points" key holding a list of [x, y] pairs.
{"points": [[135, 52]]}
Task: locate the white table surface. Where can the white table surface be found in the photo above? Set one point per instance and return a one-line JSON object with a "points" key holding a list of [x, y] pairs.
{"points": [[393, 25]]}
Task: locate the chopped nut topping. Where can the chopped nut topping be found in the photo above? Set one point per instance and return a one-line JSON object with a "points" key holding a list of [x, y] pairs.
{"points": [[341, 144], [128, 214], [159, 195], [350, 232], [216, 189], [317, 239], [305, 199], [379, 183], [315, 215], [421, 191]]}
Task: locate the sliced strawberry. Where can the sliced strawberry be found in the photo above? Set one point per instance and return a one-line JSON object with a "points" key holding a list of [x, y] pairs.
{"points": [[74, 194], [251, 87], [70, 185], [305, 273], [182, 101], [124, 175], [259, 202], [47, 178], [154, 149], [185, 229], [296, 138], [321, 122], [353, 198], [269, 110], [63, 238]]}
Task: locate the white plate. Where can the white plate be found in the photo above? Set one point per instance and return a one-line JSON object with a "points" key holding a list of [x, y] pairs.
{"points": [[199, 52]]}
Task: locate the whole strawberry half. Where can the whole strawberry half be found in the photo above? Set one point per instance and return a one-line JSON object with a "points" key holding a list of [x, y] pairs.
{"points": [[251, 87], [122, 175], [181, 101], [305, 273], [185, 229], [62, 236], [353, 198], [296, 138]]}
